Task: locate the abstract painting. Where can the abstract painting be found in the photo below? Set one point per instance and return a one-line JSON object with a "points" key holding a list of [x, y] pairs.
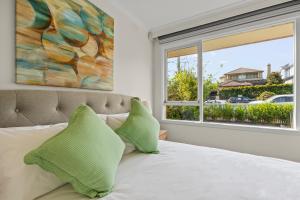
{"points": [[65, 43]]}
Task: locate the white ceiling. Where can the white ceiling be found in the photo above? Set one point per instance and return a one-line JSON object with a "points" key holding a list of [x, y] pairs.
{"points": [[156, 13]]}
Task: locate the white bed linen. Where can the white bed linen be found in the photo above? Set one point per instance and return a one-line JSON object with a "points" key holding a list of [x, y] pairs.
{"points": [[187, 172], [19, 181]]}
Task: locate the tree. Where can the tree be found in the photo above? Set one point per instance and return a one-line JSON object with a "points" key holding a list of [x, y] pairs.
{"points": [[209, 86], [183, 86], [274, 78], [265, 95]]}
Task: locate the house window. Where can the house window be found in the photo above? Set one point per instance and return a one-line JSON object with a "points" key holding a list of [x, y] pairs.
{"points": [[242, 77], [234, 79]]}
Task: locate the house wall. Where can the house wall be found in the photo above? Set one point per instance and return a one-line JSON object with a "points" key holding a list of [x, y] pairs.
{"points": [[245, 76], [132, 58]]}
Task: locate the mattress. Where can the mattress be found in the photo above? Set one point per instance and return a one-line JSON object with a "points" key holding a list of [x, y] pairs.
{"points": [[183, 171]]}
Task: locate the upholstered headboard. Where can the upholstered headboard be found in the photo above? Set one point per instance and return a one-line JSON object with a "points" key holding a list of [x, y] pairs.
{"points": [[40, 107]]}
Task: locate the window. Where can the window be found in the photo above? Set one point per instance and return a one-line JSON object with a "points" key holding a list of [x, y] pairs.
{"points": [[242, 77], [182, 84], [287, 73], [233, 79]]}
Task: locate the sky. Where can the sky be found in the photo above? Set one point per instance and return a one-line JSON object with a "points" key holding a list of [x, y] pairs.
{"points": [[275, 52]]}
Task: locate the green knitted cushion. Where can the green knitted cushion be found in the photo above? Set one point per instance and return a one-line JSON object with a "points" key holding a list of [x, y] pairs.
{"points": [[85, 154], [141, 128]]}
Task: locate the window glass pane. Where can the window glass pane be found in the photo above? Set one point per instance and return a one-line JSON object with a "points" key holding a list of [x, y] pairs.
{"points": [[190, 113], [249, 77], [182, 74]]}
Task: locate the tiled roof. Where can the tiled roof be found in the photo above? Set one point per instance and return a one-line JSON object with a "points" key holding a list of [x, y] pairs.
{"points": [[243, 70], [235, 84]]}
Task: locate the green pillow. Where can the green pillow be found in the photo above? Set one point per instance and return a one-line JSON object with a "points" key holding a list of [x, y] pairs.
{"points": [[85, 154], [141, 128]]}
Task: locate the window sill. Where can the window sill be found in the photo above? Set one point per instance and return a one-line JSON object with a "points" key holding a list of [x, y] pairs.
{"points": [[246, 128]]}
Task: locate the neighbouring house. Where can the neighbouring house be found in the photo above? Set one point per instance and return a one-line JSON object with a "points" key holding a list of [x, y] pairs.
{"points": [[243, 77], [287, 73]]}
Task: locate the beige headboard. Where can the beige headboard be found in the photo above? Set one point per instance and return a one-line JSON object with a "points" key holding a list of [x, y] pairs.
{"points": [[41, 107]]}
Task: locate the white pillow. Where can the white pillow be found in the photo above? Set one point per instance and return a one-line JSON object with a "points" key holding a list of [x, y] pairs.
{"points": [[102, 116], [115, 121], [147, 105], [19, 181]]}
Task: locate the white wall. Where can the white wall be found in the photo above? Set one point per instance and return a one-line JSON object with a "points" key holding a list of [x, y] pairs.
{"points": [[132, 59], [278, 145]]}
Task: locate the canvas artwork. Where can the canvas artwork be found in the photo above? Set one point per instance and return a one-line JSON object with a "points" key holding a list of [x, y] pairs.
{"points": [[66, 43]]}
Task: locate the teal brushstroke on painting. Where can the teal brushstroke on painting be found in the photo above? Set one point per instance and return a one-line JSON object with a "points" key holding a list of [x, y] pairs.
{"points": [[108, 31], [58, 40], [71, 27], [73, 35], [71, 18], [59, 67], [55, 38], [27, 46], [22, 63], [42, 14], [93, 23], [89, 80]]}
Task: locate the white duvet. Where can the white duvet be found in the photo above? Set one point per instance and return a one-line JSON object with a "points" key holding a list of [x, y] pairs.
{"points": [[187, 172]]}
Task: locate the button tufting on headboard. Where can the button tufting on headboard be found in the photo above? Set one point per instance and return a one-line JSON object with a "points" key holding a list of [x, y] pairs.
{"points": [[39, 107]]}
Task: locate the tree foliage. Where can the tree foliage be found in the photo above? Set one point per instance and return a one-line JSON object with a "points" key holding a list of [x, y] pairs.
{"points": [[274, 78], [209, 86], [265, 95], [183, 86]]}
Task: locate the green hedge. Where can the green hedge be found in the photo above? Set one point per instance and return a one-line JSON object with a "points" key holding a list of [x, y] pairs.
{"points": [[255, 91], [190, 113], [258, 114], [261, 114]]}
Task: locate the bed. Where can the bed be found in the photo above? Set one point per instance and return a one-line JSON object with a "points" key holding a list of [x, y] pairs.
{"points": [[180, 171]]}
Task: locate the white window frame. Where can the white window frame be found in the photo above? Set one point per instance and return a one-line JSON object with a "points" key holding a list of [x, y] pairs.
{"points": [[166, 102], [197, 41]]}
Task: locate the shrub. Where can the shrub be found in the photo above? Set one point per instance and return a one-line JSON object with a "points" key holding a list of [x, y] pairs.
{"points": [[240, 113], [212, 112], [266, 114], [265, 95], [227, 112], [183, 112], [255, 91], [262, 113]]}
